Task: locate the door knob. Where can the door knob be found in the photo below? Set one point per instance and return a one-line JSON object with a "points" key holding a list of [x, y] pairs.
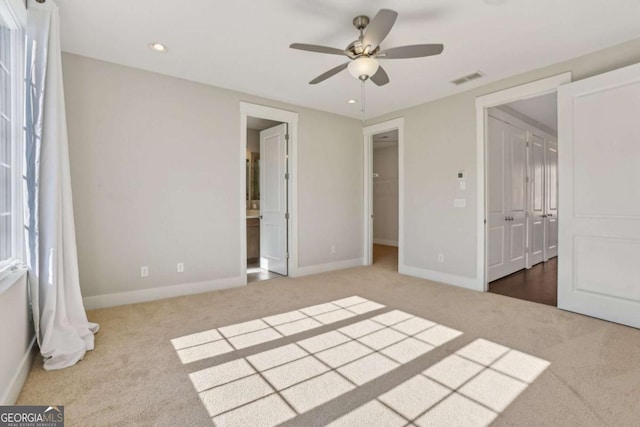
{"points": [[549, 214], [543, 216]]}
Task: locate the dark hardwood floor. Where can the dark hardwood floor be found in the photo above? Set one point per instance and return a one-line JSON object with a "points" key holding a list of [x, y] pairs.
{"points": [[538, 284]]}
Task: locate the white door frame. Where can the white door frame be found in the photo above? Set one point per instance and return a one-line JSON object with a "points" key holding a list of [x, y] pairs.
{"points": [[368, 132], [483, 103], [291, 118]]}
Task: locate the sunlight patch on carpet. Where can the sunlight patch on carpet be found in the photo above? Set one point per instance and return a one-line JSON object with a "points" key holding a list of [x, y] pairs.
{"points": [[469, 387], [292, 379], [214, 342]]}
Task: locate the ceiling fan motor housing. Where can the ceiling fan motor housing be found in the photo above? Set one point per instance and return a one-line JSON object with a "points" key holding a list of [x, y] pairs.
{"points": [[361, 22]]}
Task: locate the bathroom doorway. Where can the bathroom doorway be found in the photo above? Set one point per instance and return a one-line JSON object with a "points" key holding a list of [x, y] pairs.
{"points": [[266, 196]]}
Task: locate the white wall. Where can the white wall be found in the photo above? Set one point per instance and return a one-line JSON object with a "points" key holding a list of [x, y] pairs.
{"points": [[16, 335], [440, 140], [153, 165], [385, 195]]}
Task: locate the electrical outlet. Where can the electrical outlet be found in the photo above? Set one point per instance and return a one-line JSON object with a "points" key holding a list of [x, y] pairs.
{"points": [[180, 267], [441, 257], [144, 271], [333, 249]]}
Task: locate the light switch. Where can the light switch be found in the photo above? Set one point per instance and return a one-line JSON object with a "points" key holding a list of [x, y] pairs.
{"points": [[460, 203]]}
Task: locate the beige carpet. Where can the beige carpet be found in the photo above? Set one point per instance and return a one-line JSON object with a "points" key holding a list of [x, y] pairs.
{"points": [[483, 356]]}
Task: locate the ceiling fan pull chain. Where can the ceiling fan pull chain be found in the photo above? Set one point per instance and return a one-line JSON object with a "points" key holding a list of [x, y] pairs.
{"points": [[363, 102]]}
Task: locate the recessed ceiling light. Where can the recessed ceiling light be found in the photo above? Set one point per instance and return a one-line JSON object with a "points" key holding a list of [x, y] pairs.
{"points": [[351, 101], [494, 2], [159, 47]]}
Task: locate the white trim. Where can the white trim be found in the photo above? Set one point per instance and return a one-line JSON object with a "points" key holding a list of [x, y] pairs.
{"points": [[385, 242], [15, 387], [13, 14], [291, 118], [529, 90], [162, 292], [331, 266], [437, 276], [17, 133], [367, 135], [10, 18]]}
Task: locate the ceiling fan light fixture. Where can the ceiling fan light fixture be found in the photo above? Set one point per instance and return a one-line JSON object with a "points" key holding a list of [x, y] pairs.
{"points": [[362, 68]]}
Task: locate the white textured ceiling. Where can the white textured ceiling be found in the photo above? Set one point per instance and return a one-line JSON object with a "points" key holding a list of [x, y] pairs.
{"points": [[543, 109], [256, 123], [243, 44]]}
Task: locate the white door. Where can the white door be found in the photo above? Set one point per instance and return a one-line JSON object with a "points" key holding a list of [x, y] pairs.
{"points": [[551, 200], [536, 241], [599, 178], [273, 199], [506, 169]]}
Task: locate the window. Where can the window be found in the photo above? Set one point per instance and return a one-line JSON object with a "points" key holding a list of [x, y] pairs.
{"points": [[11, 139]]}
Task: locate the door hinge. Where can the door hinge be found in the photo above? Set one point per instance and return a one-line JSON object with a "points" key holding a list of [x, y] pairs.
{"points": [[286, 215], [286, 137], [527, 179], [286, 175], [287, 255]]}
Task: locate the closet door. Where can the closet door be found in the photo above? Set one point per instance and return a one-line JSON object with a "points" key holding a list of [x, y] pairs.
{"points": [[537, 215], [517, 199], [497, 199], [506, 179], [551, 200]]}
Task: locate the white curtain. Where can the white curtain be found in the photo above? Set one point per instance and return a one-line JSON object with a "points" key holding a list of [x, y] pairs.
{"points": [[63, 331]]}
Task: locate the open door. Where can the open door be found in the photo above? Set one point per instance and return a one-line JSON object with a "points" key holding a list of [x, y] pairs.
{"points": [[273, 199], [599, 177]]}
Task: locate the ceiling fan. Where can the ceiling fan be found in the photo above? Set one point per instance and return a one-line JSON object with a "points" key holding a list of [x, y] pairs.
{"points": [[364, 52]]}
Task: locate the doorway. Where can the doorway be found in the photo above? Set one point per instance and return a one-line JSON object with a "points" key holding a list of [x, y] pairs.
{"points": [[383, 144], [268, 220], [385, 199], [520, 174]]}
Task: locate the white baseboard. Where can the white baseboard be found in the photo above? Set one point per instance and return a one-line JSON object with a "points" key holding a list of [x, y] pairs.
{"points": [[163, 292], [437, 276], [15, 387], [385, 242], [331, 266]]}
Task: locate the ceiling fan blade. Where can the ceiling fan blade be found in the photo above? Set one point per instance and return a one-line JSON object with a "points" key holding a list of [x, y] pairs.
{"points": [[379, 27], [318, 49], [380, 78], [324, 76], [413, 51]]}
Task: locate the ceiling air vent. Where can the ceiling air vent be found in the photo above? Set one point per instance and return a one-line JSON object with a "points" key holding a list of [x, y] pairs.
{"points": [[468, 78]]}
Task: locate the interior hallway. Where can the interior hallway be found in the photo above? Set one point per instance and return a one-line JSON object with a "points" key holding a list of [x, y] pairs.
{"points": [[537, 284]]}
